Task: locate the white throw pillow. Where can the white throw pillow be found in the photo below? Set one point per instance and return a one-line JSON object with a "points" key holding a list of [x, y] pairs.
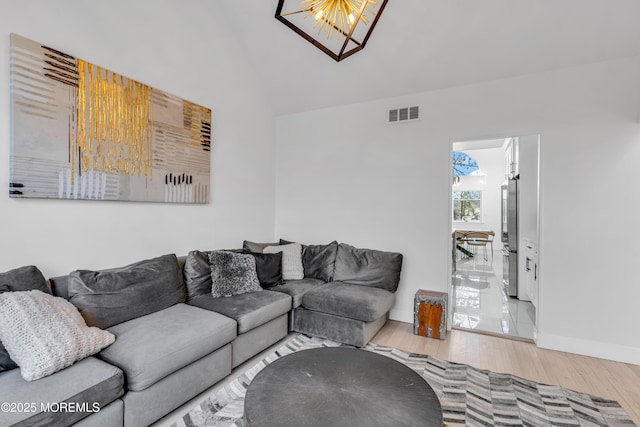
{"points": [[292, 268], [44, 334]]}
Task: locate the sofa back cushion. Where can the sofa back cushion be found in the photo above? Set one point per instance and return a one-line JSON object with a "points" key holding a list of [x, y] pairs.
{"points": [[108, 297], [25, 278], [197, 274], [318, 260], [368, 267], [256, 247]]}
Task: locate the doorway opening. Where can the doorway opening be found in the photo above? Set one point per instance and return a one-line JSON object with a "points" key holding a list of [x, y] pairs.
{"points": [[494, 217]]}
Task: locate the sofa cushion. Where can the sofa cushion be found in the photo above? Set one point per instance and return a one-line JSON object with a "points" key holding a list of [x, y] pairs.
{"points": [[87, 383], [108, 297], [151, 347], [292, 268], [368, 267], [45, 334], [197, 274], [297, 288], [232, 273], [60, 286], [336, 328], [249, 310], [25, 278], [318, 260], [347, 300], [269, 268]]}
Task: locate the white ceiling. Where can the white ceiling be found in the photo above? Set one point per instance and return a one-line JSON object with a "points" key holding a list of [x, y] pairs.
{"points": [[478, 145], [424, 45]]}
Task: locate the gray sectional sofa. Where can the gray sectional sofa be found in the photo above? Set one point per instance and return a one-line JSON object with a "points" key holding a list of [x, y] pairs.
{"points": [[174, 340]]}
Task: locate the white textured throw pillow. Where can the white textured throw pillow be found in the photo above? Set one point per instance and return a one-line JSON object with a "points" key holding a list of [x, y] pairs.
{"points": [[44, 334], [292, 268]]}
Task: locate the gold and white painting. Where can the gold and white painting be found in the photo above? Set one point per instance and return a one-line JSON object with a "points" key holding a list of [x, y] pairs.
{"points": [[80, 131]]}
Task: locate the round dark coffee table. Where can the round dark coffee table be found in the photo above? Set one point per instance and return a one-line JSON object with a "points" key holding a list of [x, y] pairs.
{"points": [[340, 387]]}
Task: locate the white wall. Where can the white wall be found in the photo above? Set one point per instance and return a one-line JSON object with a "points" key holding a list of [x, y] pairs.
{"points": [[184, 48], [342, 173]]}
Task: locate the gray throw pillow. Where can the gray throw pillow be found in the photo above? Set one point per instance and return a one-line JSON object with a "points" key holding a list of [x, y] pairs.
{"points": [[269, 269], [368, 267], [109, 297], [197, 274], [25, 278], [232, 274]]}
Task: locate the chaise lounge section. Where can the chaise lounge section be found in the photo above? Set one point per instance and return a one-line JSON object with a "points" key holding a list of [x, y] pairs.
{"points": [[346, 293]]}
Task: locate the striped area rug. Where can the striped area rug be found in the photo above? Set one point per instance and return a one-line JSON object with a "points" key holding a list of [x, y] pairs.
{"points": [[469, 396]]}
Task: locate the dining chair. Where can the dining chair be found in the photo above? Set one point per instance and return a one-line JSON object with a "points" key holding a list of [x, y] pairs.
{"points": [[476, 239], [461, 240], [490, 235]]}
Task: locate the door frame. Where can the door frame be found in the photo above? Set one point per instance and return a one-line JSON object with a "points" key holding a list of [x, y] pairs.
{"points": [[539, 210]]}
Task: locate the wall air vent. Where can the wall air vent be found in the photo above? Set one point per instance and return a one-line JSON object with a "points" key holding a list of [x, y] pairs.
{"points": [[404, 114]]}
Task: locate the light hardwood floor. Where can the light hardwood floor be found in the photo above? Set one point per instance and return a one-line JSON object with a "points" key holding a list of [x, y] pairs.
{"points": [[604, 378]]}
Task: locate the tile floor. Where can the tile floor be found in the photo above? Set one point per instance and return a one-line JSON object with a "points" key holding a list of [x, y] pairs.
{"points": [[481, 304]]}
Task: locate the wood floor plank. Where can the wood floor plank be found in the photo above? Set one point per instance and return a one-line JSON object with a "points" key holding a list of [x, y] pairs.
{"points": [[604, 378]]}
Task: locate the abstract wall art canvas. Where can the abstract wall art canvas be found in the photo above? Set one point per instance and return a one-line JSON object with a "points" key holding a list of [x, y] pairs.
{"points": [[80, 131]]}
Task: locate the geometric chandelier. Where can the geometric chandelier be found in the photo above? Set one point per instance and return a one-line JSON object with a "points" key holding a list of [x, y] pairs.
{"points": [[339, 28]]}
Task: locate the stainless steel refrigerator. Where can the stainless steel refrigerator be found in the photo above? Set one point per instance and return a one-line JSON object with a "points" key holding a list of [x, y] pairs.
{"points": [[509, 236]]}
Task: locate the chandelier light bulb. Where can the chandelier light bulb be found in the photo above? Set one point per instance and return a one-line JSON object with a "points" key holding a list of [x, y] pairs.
{"points": [[339, 15]]}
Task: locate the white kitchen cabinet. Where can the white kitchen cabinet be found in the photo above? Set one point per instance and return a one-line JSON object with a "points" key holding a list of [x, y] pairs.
{"points": [[531, 270], [511, 156]]}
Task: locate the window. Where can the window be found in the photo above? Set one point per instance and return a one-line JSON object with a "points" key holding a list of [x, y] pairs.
{"points": [[463, 164], [467, 206]]}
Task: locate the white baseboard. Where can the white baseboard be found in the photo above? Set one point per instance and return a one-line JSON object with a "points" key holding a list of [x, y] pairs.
{"points": [[601, 350]]}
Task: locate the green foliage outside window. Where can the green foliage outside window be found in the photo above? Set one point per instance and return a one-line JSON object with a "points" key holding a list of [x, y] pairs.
{"points": [[467, 206]]}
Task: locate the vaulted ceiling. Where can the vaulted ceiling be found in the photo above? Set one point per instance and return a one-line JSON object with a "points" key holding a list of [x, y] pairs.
{"points": [[424, 45]]}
